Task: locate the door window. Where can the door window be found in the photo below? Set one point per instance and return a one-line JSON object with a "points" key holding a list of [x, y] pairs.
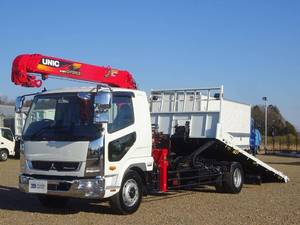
{"points": [[121, 113], [119, 147], [6, 133]]}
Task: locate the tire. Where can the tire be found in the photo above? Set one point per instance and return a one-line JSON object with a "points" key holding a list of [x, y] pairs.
{"points": [[49, 201], [219, 185], [3, 155], [234, 179], [128, 199]]}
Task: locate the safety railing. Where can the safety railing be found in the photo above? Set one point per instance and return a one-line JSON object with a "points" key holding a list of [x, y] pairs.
{"points": [[186, 100]]}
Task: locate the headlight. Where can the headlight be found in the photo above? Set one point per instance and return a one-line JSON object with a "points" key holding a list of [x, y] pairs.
{"points": [[22, 157], [94, 161], [29, 164]]}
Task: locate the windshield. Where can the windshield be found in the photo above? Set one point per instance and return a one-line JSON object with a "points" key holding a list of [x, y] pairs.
{"points": [[61, 117]]}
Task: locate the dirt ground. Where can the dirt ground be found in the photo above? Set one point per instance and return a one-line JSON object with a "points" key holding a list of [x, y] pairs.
{"points": [[272, 203]]}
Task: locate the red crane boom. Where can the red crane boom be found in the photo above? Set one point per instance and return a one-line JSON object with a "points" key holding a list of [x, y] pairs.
{"points": [[24, 65]]}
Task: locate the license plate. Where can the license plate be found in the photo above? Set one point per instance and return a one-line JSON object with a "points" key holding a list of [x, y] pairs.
{"points": [[38, 186]]}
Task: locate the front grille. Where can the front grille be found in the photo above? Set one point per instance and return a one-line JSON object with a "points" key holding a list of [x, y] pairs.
{"points": [[58, 166]]}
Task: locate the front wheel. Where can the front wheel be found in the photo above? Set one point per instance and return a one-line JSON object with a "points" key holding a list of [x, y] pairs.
{"points": [[3, 155], [129, 198]]}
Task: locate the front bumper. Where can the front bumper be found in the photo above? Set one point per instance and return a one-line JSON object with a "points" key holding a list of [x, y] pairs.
{"points": [[91, 188]]}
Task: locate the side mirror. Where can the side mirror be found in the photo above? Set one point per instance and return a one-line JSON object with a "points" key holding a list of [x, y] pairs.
{"points": [[102, 104], [19, 104]]}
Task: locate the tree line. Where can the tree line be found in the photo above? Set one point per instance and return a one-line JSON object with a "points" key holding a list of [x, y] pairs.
{"points": [[277, 124], [4, 100]]}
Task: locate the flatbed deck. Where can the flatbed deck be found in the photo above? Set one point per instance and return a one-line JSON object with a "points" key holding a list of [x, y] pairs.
{"points": [[205, 115]]}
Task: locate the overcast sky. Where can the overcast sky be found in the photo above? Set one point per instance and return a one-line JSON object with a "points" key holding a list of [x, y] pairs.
{"points": [[251, 47]]}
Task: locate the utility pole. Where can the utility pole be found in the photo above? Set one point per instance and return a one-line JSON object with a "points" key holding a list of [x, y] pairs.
{"points": [[265, 99]]}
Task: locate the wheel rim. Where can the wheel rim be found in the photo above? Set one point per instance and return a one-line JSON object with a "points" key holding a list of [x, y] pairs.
{"points": [[130, 193], [3, 156], [237, 177]]}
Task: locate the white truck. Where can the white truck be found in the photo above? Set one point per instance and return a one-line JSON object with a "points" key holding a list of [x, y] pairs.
{"points": [[7, 143], [102, 142]]}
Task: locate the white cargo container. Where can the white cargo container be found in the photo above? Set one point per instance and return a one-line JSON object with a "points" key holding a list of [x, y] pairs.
{"points": [[19, 123], [205, 111]]}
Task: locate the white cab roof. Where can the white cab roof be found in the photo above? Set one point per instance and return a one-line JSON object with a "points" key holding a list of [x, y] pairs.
{"points": [[84, 89]]}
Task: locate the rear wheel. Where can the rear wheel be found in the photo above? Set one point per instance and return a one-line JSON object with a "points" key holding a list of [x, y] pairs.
{"points": [[129, 198], [49, 201], [3, 155], [234, 179]]}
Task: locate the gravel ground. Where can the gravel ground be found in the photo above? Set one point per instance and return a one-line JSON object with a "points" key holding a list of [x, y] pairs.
{"points": [[272, 203]]}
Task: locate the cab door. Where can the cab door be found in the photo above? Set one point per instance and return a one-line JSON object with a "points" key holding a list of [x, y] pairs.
{"points": [[121, 133], [7, 140]]}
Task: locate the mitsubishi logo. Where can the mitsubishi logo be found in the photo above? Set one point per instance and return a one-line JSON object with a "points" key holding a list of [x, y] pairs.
{"points": [[52, 167]]}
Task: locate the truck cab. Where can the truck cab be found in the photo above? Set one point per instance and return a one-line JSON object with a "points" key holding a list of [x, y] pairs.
{"points": [[7, 143], [87, 143]]}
